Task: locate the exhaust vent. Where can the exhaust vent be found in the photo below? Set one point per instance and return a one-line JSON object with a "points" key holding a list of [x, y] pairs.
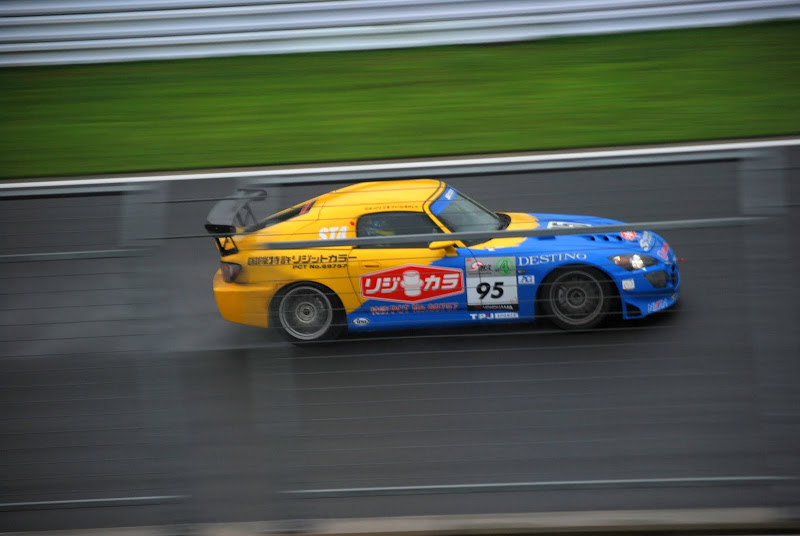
{"points": [[606, 238]]}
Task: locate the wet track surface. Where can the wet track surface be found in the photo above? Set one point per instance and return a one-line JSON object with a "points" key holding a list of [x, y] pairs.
{"points": [[120, 380]]}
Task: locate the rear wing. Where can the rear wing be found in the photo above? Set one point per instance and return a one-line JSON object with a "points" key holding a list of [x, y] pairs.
{"points": [[232, 216]]}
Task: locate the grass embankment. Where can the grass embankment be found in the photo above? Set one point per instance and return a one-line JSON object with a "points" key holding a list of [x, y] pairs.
{"points": [[591, 91]]}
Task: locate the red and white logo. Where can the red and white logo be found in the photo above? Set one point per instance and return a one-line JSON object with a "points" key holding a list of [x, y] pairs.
{"points": [[631, 236], [664, 252], [476, 265], [412, 283]]}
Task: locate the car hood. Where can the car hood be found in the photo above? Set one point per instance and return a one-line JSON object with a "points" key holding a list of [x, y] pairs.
{"points": [[520, 220], [549, 221]]}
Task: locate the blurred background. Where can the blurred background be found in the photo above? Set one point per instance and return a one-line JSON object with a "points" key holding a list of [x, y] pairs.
{"points": [[127, 400]]}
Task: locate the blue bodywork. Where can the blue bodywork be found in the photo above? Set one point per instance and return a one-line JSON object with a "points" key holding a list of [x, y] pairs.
{"points": [[523, 267]]}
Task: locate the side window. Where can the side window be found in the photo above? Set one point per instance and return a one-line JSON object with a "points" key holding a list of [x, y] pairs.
{"points": [[394, 224]]}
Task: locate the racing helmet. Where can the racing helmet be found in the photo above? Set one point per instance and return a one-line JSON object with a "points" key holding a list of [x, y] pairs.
{"points": [[378, 226]]}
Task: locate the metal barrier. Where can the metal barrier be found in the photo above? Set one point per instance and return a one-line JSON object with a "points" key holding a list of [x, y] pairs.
{"points": [[124, 391], [41, 32]]}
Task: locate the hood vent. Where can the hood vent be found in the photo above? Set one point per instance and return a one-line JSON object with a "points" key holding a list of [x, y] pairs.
{"points": [[604, 238]]}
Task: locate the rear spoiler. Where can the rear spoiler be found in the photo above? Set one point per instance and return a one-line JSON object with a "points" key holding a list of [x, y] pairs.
{"points": [[232, 216]]}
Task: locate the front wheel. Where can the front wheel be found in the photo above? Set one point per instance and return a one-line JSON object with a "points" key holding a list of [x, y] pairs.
{"points": [[577, 298], [308, 313]]}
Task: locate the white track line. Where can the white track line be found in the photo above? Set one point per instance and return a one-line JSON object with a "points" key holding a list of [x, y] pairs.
{"points": [[109, 501], [320, 170], [532, 486]]}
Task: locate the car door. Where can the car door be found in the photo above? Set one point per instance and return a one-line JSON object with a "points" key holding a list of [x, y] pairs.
{"points": [[409, 284]]}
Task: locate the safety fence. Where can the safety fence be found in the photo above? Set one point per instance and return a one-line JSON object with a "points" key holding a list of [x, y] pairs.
{"points": [[127, 400], [39, 32]]}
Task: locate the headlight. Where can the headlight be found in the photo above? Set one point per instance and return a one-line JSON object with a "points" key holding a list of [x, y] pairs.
{"points": [[633, 261]]}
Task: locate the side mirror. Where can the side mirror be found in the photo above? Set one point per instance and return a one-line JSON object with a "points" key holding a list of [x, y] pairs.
{"points": [[449, 247]]}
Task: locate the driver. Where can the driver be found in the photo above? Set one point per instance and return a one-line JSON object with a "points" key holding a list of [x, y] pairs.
{"points": [[380, 227]]}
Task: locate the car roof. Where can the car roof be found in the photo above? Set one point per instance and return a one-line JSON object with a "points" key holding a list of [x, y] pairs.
{"points": [[384, 195]]}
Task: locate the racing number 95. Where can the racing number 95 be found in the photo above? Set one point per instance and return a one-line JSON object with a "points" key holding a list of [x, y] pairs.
{"points": [[485, 288]]}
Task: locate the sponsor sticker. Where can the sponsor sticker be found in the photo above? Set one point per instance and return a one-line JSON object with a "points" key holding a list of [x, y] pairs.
{"points": [[412, 308], [301, 261], [663, 253], [496, 307], [657, 305], [475, 265], [526, 280], [360, 321], [493, 316], [412, 283], [491, 266], [535, 260], [630, 236], [628, 284], [565, 224], [392, 206], [647, 241]]}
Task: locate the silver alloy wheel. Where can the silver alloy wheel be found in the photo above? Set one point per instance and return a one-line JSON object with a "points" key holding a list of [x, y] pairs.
{"points": [[305, 313], [576, 298]]}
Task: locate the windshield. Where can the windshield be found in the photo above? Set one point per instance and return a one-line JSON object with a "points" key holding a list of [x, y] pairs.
{"points": [[461, 214]]}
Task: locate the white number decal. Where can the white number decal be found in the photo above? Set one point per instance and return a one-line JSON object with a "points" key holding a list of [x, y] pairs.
{"points": [[496, 290], [332, 233], [492, 283]]}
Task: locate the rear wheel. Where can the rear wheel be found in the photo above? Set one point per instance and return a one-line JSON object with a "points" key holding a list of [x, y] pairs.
{"points": [[577, 297], [307, 312]]}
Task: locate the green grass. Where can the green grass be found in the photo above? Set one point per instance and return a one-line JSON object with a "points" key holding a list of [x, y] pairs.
{"points": [[592, 91]]}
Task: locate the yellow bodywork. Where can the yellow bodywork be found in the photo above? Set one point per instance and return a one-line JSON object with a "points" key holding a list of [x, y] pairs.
{"points": [[332, 216]]}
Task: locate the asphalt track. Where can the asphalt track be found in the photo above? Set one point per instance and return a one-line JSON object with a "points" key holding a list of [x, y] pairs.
{"points": [[127, 400]]}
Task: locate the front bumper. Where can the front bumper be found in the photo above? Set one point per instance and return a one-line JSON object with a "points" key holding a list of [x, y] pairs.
{"points": [[650, 290]]}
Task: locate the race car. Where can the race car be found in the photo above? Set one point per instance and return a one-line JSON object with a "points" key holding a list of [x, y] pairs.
{"points": [[317, 293]]}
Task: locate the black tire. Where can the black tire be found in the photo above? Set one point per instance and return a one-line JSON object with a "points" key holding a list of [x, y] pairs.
{"points": [[307, 312], [577, 297]]}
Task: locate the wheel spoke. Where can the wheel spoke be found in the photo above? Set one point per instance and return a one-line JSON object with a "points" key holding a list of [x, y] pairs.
{"points": [[305, 313], [576, 298]]}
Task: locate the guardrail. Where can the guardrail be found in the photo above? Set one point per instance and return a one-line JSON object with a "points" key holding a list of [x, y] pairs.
{"points": [[48, 32], [109, 249], [489, 235]]}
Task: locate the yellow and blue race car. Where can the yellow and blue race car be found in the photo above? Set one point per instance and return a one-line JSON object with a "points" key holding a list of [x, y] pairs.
{"points": [[576, 281]]}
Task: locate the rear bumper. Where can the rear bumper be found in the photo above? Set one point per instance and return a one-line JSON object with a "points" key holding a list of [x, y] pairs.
{"points": [[243, 303]]}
